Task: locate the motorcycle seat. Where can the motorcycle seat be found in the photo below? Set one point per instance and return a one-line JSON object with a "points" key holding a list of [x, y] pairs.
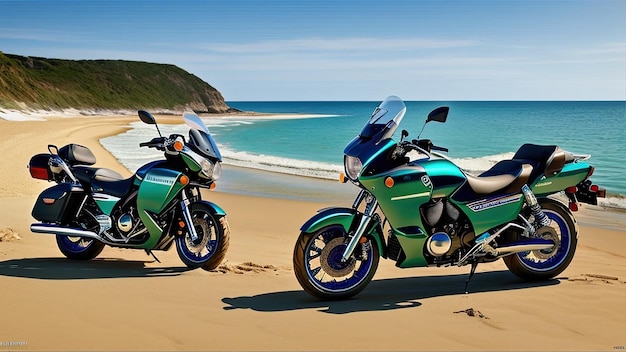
{"points": [[103, 180], [505, 175], [545, 159]]}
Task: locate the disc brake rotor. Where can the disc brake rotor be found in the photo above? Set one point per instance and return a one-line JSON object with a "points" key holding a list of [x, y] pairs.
{"points": [[203, 236], [547, 233], [331, 259]]}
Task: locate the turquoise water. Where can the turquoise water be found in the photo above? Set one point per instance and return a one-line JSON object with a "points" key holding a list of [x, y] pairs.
{"points": [[478, 134]]}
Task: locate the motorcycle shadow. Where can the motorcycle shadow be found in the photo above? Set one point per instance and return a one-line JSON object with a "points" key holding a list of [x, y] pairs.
{"points": [[65, 269], [387, 294]]}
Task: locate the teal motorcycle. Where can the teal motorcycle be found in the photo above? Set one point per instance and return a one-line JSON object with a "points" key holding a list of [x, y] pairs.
{"points": [[418, 208], [161, 204]]}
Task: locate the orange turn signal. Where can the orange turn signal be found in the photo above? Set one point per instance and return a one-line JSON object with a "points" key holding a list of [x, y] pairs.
{"points": [[389, 182], [178, 146], [184, 180], [342, 178], [213, 185]]}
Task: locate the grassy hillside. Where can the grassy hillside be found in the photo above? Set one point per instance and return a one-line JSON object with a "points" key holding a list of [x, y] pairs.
{"points": [[41, 83]]}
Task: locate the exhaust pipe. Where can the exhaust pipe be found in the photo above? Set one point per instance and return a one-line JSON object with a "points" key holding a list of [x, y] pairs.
{"points": [[66, 231], [532, 244]]}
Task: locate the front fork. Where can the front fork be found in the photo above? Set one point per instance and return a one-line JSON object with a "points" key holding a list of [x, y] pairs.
{"points": [[184, 205], [370, 208]]}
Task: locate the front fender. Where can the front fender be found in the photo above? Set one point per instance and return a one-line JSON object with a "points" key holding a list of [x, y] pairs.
{"points": [[217, 211], [344, 217]]}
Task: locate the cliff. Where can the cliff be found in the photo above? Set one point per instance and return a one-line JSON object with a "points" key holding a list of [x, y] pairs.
{"points": [[42, 83]]}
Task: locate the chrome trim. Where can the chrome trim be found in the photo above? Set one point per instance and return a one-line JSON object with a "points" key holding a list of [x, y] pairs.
{"points": [[184, 204], [365, 220], [67, 231]]}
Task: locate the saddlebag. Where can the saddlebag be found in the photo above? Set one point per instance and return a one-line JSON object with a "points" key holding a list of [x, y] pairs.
{"points": [[39, 168], [58, 204]]}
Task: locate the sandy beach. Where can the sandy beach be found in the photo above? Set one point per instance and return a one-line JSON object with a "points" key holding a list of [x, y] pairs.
{"points": [[125, 300]]}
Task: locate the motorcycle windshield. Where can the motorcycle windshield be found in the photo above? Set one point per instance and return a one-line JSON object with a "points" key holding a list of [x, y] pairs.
{"points": [[200, 137], [385, 119]]}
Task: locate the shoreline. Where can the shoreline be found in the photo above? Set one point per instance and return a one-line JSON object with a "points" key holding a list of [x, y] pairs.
{"points": [[252, 302]]}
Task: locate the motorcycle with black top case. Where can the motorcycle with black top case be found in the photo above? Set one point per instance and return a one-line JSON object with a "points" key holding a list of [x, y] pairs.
{"points": [[417, 208], [161, 204]]}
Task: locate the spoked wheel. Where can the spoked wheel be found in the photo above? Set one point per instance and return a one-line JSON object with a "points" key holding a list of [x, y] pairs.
{"points": [[79, 248], [548, 263], [321, 272], [209, 249]]}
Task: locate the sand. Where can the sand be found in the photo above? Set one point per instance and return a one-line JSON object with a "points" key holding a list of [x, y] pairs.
{"points": [[125, 300]]}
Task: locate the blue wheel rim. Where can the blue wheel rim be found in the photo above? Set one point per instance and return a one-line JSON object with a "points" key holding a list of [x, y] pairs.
{"points": [[75, 246], [206, 251], [560, 226], [325, 282]]}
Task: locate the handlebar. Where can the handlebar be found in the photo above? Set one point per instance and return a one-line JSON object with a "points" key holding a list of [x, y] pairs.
{"points": [[165, 144], [440, 149], [158, 142], [423, 145]]}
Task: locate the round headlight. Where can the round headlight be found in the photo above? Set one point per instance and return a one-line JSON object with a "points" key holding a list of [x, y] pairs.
{"points": [[207, 167], [353, 166]]}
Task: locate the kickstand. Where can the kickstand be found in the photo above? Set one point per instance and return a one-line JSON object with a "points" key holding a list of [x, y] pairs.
{"points": [[474, 265], [152, 254]]}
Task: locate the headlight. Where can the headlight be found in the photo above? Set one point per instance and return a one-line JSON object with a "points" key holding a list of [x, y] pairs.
{"points": [[207, 168], [217, 171], [353, 166]]}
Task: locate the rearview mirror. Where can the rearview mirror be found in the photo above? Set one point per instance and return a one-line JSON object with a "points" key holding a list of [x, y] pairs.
{"points": [[146, 117], [440, 114]]}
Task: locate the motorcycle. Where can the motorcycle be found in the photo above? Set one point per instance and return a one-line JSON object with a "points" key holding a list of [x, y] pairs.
{"points": [[91, 207], [437, 214]]}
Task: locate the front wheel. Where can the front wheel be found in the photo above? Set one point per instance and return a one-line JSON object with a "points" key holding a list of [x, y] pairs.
{"points": [[209, 249], [320, 271], [548, 263]]}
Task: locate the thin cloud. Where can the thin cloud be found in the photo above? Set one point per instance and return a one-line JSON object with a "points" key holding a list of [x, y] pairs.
{"points": [[334, 45]]}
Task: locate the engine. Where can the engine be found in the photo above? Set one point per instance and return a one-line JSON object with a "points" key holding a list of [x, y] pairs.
{"points": [[449, 231]]}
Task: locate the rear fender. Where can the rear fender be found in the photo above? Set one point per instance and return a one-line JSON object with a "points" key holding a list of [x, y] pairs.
{"points": [[347, 218]]}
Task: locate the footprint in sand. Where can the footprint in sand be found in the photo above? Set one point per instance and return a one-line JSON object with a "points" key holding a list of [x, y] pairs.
{"points": [[592, 278], [243, 268]]}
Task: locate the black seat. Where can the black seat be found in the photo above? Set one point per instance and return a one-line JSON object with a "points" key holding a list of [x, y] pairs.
{"points": [[103, 180], [529, 162], [545, 159]]}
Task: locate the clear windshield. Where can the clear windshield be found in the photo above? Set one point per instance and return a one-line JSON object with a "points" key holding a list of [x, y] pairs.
{"points": [[385, 119], [200, 137]]}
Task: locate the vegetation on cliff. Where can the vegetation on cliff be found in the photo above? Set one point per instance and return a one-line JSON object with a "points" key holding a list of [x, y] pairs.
{"points": [[51, 84]]}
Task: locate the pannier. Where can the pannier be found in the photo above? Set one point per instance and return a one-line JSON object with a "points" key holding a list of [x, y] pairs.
{"points": [[53, 203]]}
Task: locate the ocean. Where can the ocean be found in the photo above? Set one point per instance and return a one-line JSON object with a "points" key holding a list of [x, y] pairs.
{"points": [[477, 133]]}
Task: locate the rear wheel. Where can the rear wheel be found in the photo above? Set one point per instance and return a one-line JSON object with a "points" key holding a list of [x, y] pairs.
{"points": [[321, 272], [548, 263], [209, 249], [79, 248]]}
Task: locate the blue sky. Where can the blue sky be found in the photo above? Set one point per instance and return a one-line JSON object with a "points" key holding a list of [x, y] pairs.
{"points": [[346, 50]]}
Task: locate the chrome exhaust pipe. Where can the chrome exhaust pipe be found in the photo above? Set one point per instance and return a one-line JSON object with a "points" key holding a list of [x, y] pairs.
{"points": [[524, 246], [66, 231]]}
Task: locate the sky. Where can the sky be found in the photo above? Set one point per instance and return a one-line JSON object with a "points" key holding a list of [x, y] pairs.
{"points": [[345, 50]]}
